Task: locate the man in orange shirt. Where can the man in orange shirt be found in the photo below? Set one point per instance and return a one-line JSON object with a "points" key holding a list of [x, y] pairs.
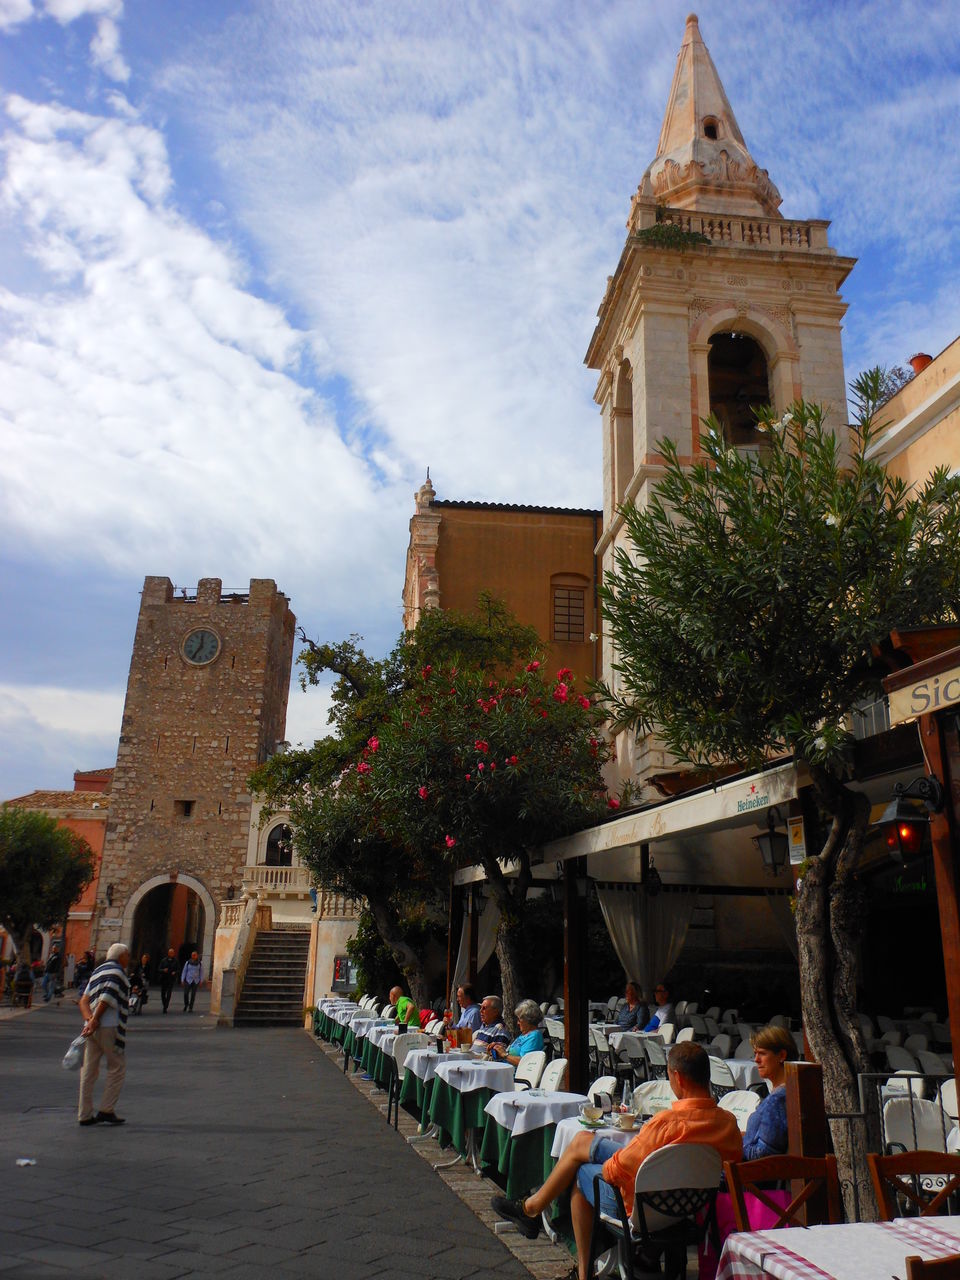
{"points": [[694, 1117]]}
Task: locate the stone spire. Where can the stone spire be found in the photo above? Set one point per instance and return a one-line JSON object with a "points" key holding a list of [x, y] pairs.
{"points": [[702, 160]]}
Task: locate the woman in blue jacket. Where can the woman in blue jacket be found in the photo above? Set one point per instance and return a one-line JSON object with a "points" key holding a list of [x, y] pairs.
{"points": [[530, 1039]]}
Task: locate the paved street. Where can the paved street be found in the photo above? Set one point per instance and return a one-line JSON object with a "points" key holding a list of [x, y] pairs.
{"points": [[245, 1154]]}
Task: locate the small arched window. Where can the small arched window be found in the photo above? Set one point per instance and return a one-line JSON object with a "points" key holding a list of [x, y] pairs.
{"points": [[279, 847], [739, 380]]}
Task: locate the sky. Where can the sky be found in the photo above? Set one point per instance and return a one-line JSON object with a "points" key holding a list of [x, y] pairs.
{"points": [[262, 263]]}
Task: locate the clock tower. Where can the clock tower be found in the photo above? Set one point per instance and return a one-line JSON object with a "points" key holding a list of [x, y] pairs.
{"points": [[206, 703]]}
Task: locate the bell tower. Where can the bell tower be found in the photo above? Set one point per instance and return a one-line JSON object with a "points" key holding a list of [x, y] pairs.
{"points": [[718, 303]]}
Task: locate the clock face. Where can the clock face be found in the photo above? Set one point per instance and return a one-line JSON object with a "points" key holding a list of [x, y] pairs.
{"points": [[201, 647]]}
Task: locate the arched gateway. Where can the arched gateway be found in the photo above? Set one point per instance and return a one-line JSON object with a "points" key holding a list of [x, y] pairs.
{"points": [[171, 911]]}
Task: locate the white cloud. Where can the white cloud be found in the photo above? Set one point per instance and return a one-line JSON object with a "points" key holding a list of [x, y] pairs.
{"points": [[60, 710], [105, 50], [153, 405], [13, 12]]}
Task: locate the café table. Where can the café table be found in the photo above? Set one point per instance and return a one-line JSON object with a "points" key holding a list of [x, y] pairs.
{"points": [[462, 1087], [519, 1132], [323, 1019], [567, 1130], [372, 1054], [848, 1251], [354, 1036]]}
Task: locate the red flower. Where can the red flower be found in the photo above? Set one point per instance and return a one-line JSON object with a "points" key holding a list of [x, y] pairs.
{"points": [[423, 793], [564, 673], [533, 666], [493, 765], [511, 759], [584, 701], [467, 776], [450, 842], [480, 766], [363, 767], [426, 671], [373, 743], [543, 715], [561, 692], [481, 745], [613, 802]]}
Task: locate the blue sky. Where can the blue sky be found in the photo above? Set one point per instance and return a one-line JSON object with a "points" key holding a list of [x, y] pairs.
{"points": [[262, 263]]}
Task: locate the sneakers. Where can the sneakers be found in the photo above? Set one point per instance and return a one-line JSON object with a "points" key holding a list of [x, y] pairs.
{"points": [[513, 1211], [89, 1120], [107, 1117]]}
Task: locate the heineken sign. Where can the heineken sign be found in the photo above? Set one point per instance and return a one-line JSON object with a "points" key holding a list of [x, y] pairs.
{"points": [[759, 801]]}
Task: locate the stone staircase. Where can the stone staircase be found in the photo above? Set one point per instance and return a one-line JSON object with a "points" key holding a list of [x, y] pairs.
{"points": [[272, 994]]}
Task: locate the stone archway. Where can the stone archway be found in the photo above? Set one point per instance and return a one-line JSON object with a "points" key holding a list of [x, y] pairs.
{"points": [[209, 911]]}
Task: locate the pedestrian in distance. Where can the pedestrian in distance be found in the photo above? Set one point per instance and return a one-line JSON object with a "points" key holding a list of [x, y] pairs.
{"points": [[167, 973], [104, 1004], [51, 975], [191, 978]]}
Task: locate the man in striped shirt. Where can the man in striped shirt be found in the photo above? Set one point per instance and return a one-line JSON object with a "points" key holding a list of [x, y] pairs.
{"points": [[104, 1006]]}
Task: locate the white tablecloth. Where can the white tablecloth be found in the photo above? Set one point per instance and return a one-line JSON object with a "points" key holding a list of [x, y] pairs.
{"points": [[465, 1076], [380, 1033], [568, 1129], [329, 1004], [745, 1071], [343, 1013], [360, 1022], [423, 1063], [523, 1111], [853, 1251]]}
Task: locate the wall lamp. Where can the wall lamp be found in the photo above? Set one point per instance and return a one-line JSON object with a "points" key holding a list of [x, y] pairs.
{"points": [[773, 845], [906, 819]]}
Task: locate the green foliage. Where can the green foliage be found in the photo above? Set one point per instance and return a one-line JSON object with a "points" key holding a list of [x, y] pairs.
{"points": [[44, 868], [757, 583], [667, 235], [377, 970]]}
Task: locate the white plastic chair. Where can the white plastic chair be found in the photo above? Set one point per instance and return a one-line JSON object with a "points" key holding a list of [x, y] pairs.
{"points": [[687, 1033], [885, 1024], [721, 1078], [948, 1098], [553, 1010], [891, 1037], [698, 1025], [553, 1030], [680, 1008], [929, 1016], [389, 1011], [780, 1020], [603, 1085], [530, 1069], [913, 1044], [728, 1020], [632, 1056], [742, 1103], [653, 1096], [656, 1057], [900, 1059], [720, 1046], [544, 1006], [914, 1124], [667, 1032], [601, 1048], [932, 1064], [553, 1075], [401, 1046], [743, 1051], [713, 1012]]}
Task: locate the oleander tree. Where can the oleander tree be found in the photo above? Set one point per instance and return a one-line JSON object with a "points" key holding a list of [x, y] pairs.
{"points": [[745, 615], [44, 868]]}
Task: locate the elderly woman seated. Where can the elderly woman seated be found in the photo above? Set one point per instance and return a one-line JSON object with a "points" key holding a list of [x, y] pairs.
{"points": [[529, 1040]]}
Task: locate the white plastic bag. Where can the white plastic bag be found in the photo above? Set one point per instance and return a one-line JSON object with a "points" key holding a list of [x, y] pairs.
{"points": [[74, 1055]]}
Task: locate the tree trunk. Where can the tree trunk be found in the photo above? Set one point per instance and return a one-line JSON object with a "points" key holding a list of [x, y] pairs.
{"points": [[511, 966], [510, 895], [411, 965], [829, 924]]}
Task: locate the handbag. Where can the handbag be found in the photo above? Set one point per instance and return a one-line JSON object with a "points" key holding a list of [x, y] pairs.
{"points": [[74, 1055]]}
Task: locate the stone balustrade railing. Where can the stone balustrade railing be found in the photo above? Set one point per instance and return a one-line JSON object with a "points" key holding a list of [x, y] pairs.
{"points": [[231, 914], [336, 906], [735, 230], [277, 879]]}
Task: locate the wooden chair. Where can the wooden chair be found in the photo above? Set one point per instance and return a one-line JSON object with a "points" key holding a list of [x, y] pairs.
{"points": [[913, 1182], [814, 1173], [934, 1268]]}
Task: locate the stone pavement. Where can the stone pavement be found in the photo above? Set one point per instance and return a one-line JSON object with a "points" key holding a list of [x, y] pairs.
{"points": [[246, 1154]]}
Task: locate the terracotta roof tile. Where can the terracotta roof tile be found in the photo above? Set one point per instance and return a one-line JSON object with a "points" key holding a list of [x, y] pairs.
{"points": [[62, 800]]}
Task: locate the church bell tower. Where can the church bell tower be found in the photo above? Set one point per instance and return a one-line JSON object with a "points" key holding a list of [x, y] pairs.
{"points": [[717, 303]]}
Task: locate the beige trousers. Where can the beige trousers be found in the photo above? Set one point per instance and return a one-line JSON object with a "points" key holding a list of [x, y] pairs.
{"points": [[101, 1045]]}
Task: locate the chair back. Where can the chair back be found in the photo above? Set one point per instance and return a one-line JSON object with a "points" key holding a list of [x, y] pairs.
{"points": [[741, 1103], [674, 1183], [713, 1012], [893, 1036], [692, 1007], [602, 1085], [721, 1078], [913, 1044], [554, 1032], [667, 1032], [932, 1064], [653, 1096], [680, 1008], [553, 1075], [900, 1059], [947, 1268], [544, 1006], [687, 1033], [389, 1011], [914, 1183], [612, 1004], [948, 1098], [780, 1020], [814, 1174], [403, 1043], [553, 1009], [729, 1017], [743, 1051], [633, 1051], [721, 1046], [698, 1025], [656, 1057], [914, 1124], [530, 1068], [885, 1023]]}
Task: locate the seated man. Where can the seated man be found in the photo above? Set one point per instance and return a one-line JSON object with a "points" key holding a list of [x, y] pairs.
{"points": [[664, 1010], [694, 1117], [469, 1009], [408, 1011], [492, 1031]]}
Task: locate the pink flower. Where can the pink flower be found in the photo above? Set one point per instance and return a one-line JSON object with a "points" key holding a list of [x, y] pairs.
{"points": [[450, 842], [584, 701], [363, 767], [561, 693], [493, 765], [543, 715], [423, 793], [511, 759], [564, 673], [373, 743], [533, 666], [480, 766], [481, 745], [426, 671], [467, 776], [613, 802]]}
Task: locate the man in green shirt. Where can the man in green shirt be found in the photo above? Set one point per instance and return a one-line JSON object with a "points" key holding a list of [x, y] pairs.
{"points": [[408, 1012]]}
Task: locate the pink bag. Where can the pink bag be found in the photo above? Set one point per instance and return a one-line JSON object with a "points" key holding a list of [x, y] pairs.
{"points": [[760, 1217]]}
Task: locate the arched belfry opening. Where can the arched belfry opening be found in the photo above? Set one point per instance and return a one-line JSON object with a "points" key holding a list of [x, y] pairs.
{"points": [[739, 379], [279, 847], [623, 432]]}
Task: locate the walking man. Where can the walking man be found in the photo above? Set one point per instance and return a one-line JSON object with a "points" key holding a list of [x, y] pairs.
{"points": [[104, 1004], [51, 976], [167, 972], [191, 978]]}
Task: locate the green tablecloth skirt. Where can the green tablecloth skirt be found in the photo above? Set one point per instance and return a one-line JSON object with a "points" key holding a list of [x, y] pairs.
{"points": [[415, 1095], [349, 1043], [525, 1161], [454, 1113], [322, 1023]]}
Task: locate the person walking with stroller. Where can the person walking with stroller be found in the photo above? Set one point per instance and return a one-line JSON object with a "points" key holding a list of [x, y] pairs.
{"points": [[191, 978]]}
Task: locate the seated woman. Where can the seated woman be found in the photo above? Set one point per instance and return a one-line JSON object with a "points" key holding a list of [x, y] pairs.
{"points": [[766, 1132], [629, 1017], [529, 1040]]}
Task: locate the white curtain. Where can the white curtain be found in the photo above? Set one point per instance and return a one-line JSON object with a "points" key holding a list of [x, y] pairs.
{"points": [[779, 904], [647, 931], [486, 941]]}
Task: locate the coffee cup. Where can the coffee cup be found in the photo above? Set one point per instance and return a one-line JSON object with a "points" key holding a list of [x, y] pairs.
{"points": [[591, 1113], [627, 1120]]}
